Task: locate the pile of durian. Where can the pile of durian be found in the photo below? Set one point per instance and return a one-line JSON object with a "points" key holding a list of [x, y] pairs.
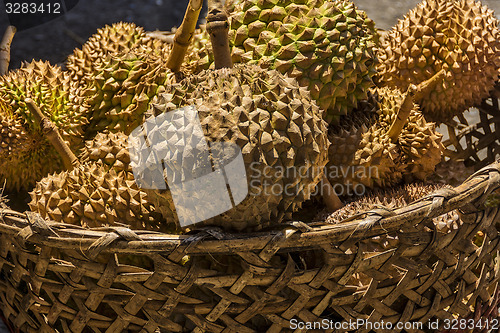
{"points": [[305, 86]]}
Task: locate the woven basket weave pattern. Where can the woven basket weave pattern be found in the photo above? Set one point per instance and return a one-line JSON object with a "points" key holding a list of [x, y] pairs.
{"points": [[477, 143], [60, 276]]}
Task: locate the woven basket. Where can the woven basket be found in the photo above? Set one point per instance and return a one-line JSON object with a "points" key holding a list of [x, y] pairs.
{"points": [[56, 277], [477, 144]]}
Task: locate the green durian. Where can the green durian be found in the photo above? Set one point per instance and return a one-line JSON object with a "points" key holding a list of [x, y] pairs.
{"points": [[120, 92], [108, 41], [26, 154], [328, 46]]}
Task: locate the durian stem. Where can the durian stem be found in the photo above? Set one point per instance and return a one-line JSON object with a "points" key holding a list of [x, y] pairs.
{"points": [[184, 35], [51, 132], [403, 114], [414, 93], [330, 198], [164, 36], [5, 49], [218, 28], [426, 87]]}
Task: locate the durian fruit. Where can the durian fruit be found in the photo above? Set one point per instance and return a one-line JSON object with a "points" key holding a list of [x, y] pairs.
{"points": [[461, 37], [121, 86], [328, 46], [273, 120], [98, 190], [111, 149], [392, 199], [94, 195], [120, 93], [26, 155], [421, 148], [50, 87], [367, 152], [419, 141], [111, 40], [361, 154]]}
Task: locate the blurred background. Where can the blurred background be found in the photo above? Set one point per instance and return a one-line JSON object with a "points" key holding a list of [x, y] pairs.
{"points": [[56, 39]]}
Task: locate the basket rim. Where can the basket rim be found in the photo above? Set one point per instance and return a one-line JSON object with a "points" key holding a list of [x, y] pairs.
{"points": [[30, 227]]}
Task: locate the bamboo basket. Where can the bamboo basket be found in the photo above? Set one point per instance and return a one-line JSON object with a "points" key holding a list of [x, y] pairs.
{"points": [[477, 144], [56, 277]]}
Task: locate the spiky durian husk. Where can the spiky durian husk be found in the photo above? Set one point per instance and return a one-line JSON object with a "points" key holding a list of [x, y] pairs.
{"points": [[328, 46], [109, 148], [23, 170], [451, 172], [13, 136], [50, 89], [121, 92], [28, 156], [419, 142], [421, 148], [361, 154], [279, 129], [93, 195], [230, 5], [111, 40], [392, 199], [461, 37]]}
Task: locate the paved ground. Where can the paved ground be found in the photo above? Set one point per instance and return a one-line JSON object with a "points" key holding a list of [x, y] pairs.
{"points": [[56, 39]]}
